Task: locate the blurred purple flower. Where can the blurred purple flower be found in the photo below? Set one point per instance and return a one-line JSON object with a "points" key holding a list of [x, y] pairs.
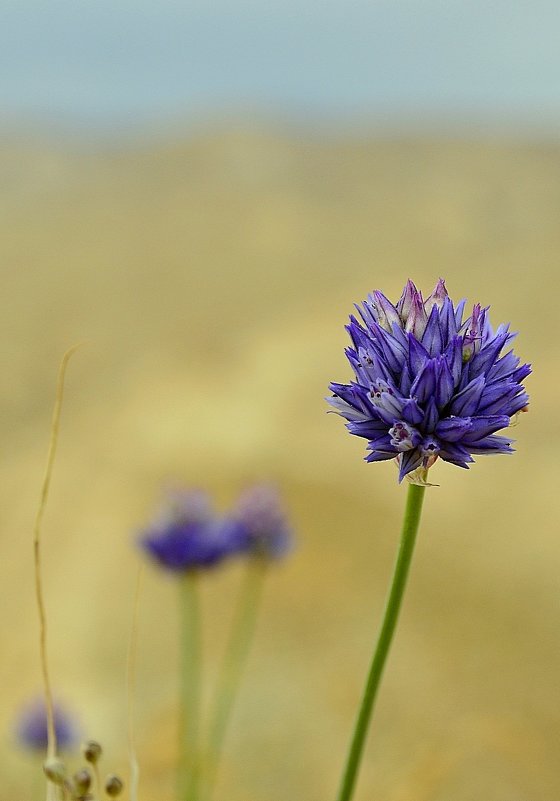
{"points": [[429, 383], [31, 727], [262, 522], [186, 535]]}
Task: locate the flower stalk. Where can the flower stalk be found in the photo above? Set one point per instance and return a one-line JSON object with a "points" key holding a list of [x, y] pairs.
{"points": [[189, 757], [235, 658], [408, 538]]}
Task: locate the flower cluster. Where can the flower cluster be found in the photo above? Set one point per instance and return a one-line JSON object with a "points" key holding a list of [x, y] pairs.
{"points": [[262, 523], [31, 727], [429, 383], [188, 535]]}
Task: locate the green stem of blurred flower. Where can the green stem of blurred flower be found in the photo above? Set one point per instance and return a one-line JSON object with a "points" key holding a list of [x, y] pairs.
{"points": [[408, 537], [189, 758], [235, 657]]}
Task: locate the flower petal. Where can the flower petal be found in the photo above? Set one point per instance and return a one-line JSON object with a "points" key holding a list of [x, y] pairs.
{"points": [[406, 381], [521, 373], [452, 429], [454, 356], [431, 416], [444, 385], [502, 397], [380, 456], [384, 310], [369, 429], [459, 309], [418, 355], [424, 385], [438, 296], [417, 319], [486, 357], [482, 425], [431, 339], [491, 444], [466, 402], [412, 412], [447, 321], [391, 348], [409, 461], [503, 367], [404, 306], [453, 452]]}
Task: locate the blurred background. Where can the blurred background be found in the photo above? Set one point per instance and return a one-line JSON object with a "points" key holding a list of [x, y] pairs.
{"points": [[202, 192]]}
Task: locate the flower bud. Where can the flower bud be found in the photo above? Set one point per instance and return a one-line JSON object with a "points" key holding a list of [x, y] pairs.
{"points": [[437, 298], [417, 317], [384, 311], [404, 306]]}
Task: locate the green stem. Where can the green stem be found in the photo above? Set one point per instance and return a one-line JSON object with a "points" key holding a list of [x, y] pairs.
{"points": [[408, 538], [190, 689], [235, 657]]}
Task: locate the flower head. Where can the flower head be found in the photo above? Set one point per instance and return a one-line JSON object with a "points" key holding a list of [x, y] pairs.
{"points": [[262, 523], [429, 383], [186, 535], [31, 727]]}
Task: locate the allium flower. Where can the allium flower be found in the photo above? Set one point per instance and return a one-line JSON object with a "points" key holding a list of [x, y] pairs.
{"points": [[31, 727], [428, 382], [263, 527], [186, 535]]}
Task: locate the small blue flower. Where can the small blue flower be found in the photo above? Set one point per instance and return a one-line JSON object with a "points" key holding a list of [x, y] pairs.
{"points": [[31, 727], [186, 535], [429, 383], [262, 522]]}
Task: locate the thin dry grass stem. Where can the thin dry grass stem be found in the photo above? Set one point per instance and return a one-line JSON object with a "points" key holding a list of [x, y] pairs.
{"points": [[55, 425], [130, 687], [97, 779]]}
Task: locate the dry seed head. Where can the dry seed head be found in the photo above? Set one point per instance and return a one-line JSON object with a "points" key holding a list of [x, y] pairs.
{"points": [[55, 770], [82, 781], [92, 751], [113, 786]]}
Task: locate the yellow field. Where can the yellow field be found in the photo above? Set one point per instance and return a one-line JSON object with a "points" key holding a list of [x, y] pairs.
{"points": [[212, 279]]}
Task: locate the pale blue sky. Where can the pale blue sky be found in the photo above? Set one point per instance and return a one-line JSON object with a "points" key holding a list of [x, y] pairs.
{"points": [[118, 62]]}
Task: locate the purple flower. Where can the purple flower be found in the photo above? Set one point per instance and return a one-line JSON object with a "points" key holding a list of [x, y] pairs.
{"points": [[429, 383], [186, 535], [31, 727], [262, 522]]}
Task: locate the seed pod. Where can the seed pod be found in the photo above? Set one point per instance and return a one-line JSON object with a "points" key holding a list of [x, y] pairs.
{"points": [[113, 786], [55, 770], [82, 781], [92, 751]]}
